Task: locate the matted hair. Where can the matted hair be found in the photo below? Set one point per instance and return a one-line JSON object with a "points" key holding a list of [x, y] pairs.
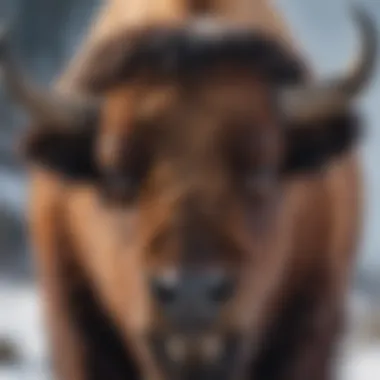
{"points": [[180, 51]]}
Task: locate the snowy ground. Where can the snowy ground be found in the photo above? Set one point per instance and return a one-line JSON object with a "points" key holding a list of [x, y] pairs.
{"points": [[20, 322], [360, 358]]}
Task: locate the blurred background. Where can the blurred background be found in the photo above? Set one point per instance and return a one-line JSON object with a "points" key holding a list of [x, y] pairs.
{"points": [[46, 33]]}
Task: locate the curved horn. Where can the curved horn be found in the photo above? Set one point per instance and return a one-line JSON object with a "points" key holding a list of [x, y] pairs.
{"points": [[44, 106], [331, 96]]}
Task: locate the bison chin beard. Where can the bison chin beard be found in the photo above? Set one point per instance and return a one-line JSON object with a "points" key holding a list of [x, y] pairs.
{"points": [[197, 357]]}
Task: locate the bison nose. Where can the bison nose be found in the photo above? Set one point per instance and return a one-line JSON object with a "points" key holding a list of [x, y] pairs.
{"points": [[193, 298], [221, 289], [165, 291]]}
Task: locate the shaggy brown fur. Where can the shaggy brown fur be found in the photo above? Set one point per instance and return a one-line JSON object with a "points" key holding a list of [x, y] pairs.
{"points": [[165, 53], [294, 261]]}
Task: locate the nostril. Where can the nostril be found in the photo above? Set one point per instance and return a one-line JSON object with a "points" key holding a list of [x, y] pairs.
{"points": [[165, 292], [222, 290]]}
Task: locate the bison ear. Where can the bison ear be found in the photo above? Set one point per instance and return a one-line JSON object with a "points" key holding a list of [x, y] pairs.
{"points": [[312, 146], [68, 153]]}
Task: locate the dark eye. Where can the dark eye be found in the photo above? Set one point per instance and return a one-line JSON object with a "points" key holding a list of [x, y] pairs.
{"points": [[124, 184], [124, 181]]}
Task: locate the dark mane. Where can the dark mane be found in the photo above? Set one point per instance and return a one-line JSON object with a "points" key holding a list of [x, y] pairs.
{"points": [[167, 52]]}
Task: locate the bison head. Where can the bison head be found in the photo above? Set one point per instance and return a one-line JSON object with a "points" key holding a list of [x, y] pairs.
{"points": [[192, 134]]}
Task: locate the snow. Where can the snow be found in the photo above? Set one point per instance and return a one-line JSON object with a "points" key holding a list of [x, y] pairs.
{"points": [[363, 362], [21, 322]]}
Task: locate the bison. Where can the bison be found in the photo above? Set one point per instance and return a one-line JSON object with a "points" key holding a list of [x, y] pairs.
{"points": [[195, 203]]}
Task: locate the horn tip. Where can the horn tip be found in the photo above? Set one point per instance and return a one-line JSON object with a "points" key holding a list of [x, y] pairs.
{"points": [[369, 36], [363, 16]]}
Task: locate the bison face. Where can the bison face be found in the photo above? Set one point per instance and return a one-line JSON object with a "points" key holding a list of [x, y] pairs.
{"points": [[189, 153], [199, 166]]}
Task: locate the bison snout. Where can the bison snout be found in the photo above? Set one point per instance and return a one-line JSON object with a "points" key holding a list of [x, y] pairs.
{"points": [[192, 300]]}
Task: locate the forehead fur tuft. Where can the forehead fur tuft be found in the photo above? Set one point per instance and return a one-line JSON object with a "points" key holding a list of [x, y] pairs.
{"points": [[178, 52]]}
